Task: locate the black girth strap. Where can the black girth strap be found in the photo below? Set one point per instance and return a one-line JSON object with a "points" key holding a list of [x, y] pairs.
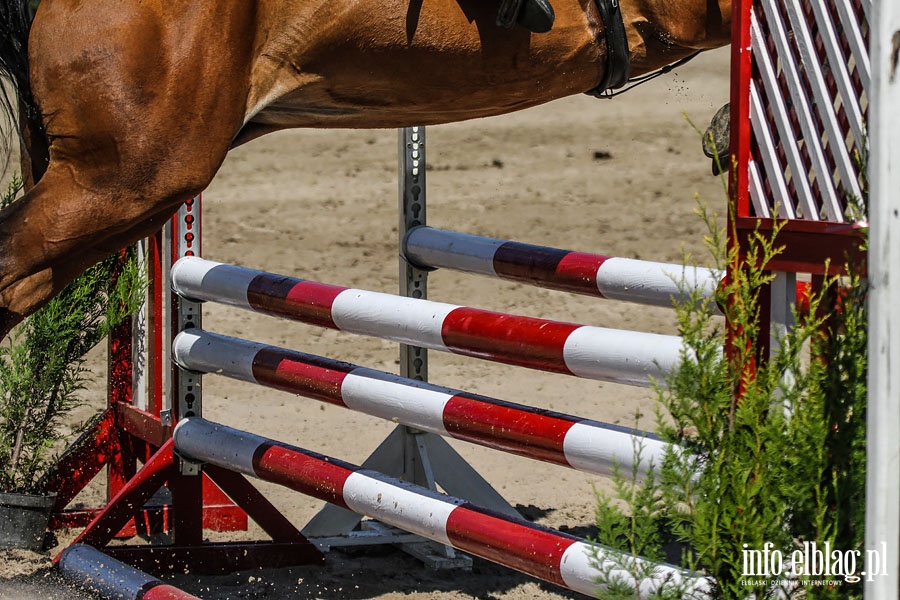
{"points": [[618, 61]]}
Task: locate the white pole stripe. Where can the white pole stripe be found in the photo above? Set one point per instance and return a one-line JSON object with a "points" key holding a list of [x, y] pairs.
{"points": [[450, 249], [580, 558], [201, 279], [408, 507], [578, 561], [403, 320], [631, 357], [204, 352], [585, 448], [653, 283], [370, 392], [218, 445]]}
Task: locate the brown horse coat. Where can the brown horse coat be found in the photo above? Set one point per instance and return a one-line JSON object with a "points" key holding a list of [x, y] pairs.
{"points": [[140, 100]]}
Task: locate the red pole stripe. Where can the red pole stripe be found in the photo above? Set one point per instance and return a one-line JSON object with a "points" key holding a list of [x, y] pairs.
{"points": [[311, 376], [303, 471], [514, 340], [157, 590], [529, 549], [579, 269], [507, 428], [562, 270], [306, 301]]}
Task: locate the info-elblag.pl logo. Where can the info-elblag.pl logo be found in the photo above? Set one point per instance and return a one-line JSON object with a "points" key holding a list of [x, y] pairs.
{"points": [[811, 561]]}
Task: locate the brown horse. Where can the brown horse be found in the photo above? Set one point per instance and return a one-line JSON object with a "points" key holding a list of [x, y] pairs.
{"points": [[128, 107]]}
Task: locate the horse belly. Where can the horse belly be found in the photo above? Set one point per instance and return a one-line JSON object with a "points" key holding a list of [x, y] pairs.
{"points": [[448, 62]]}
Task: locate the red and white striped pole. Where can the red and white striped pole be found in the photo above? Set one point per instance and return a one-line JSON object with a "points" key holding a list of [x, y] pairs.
{"points": [[102, 574], [630, 357], [643, 282], [582, 444], [538, 551], [611, 277]]}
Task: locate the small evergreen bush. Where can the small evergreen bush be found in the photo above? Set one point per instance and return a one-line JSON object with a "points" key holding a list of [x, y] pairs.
{"points": [[42, 368], [771, 451]]}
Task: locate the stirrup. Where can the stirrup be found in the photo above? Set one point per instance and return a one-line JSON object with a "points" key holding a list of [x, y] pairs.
{"points": [[534, 15]]}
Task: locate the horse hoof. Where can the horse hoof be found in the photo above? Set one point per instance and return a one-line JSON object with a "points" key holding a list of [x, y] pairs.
{"points": [[717, 140], [536, 16]]}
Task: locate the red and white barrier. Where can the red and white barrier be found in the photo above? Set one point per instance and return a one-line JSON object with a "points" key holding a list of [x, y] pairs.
{"points": [[582, 444], [99, 573], [538, 551], [631, 357], [614, 278]]}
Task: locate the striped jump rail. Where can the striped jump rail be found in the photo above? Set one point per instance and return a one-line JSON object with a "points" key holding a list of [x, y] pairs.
{"points": [[629, 357], [95, 571], [582, 444], [532, 549], [610, 277], [613, 278]]}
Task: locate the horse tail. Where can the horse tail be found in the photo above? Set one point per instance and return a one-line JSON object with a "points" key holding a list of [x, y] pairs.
{"points": [[15, 88]]}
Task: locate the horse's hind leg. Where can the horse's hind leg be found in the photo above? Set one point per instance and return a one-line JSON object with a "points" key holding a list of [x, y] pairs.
{"points": [[45, 242], [30, 285], [143, 121]]}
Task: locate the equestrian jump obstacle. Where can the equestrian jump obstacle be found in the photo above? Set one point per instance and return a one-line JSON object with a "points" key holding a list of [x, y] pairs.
{"points": [[495, 531], [820, 232], [562, 439], [534, 550]]}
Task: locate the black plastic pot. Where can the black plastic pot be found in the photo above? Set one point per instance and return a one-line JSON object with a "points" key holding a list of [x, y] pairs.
{"points": [[23, 520]]}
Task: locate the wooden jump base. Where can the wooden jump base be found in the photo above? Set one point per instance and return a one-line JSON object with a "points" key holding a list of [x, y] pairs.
{"points": [[631, 357], [515, 543], [582, 444], [104, 575]]}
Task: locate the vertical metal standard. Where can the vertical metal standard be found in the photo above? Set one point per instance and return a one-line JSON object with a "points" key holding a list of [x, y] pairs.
{"points": [[883, 414], [417, 465], [413, 281], [186, 315]]}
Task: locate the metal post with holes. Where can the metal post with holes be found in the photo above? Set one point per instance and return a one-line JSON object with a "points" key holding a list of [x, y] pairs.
{"points": [[186, 314], [413, 280], [186, 489], [414, 360]]}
